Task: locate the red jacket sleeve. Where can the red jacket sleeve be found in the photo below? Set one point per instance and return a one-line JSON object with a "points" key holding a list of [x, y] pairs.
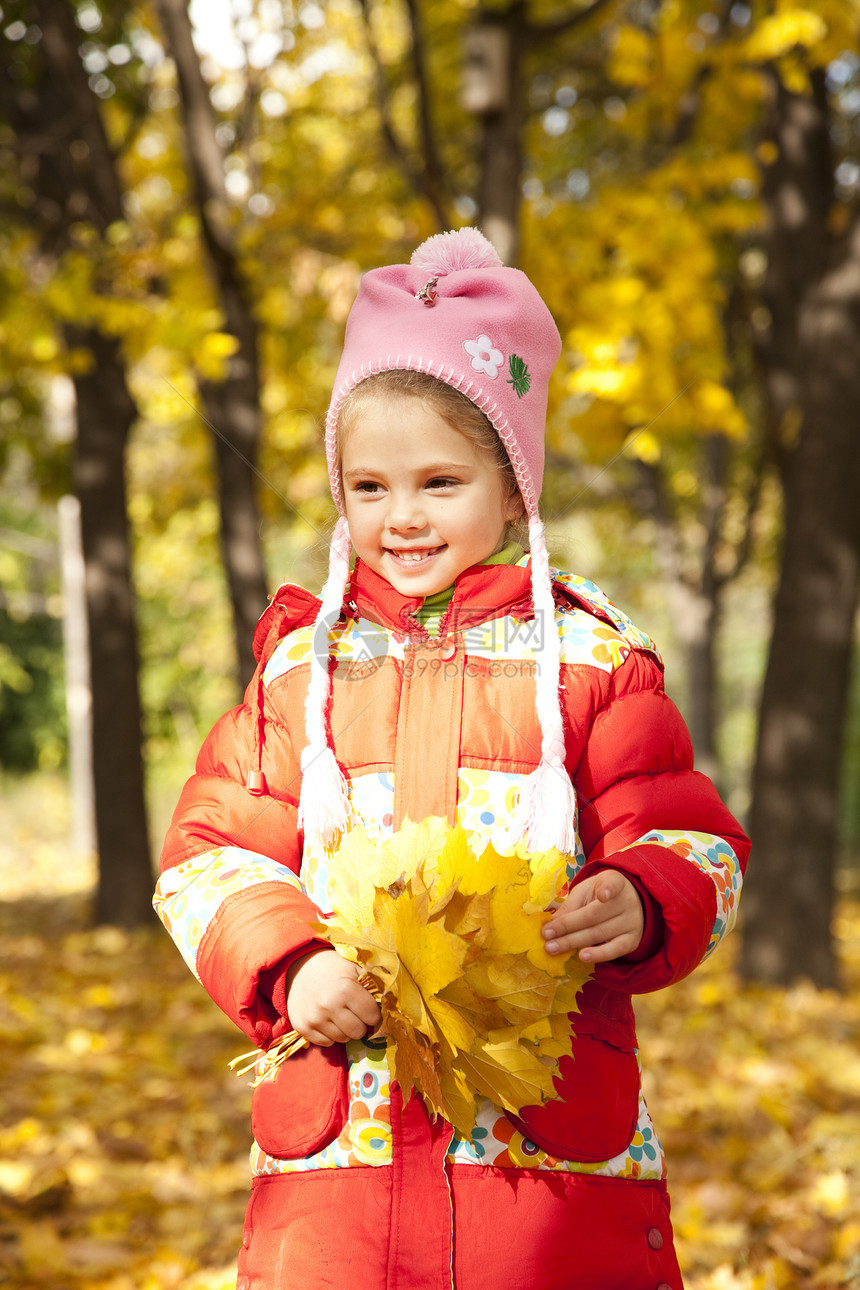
{"points": [[229, 891], [645, 811]]}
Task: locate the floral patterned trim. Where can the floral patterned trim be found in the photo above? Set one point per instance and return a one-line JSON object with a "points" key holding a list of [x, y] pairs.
{"points": [[360, 641], [188, 896], [583, 638], [593, 596], [365, 1140], [495, 1141], [714, 857]]}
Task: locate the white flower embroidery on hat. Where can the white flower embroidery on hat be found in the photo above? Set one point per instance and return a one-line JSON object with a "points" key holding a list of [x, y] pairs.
{"points": [[485, 357]]}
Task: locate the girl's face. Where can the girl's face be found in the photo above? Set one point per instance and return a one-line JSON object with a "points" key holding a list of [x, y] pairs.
{"points": [[422, 501]]}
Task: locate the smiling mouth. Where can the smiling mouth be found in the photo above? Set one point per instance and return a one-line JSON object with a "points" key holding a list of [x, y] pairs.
{"points": [[413, 557]]}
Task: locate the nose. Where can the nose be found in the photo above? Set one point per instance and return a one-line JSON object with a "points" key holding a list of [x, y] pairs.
{"points": [[405, 513]]}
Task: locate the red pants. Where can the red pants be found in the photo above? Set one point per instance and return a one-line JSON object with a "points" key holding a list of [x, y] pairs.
{"points": [[407, 1226]]}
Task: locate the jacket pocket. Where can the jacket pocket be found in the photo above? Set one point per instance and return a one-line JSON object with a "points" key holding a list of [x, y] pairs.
{"points": [[594, 1115], [305, 1107]]}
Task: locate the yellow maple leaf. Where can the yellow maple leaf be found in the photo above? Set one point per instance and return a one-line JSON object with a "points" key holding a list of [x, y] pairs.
{"points": [[473, 1006], [508, 1072]]}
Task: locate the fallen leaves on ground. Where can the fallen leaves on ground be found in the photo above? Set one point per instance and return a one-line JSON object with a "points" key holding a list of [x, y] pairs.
{"points": [[124, 1137]]}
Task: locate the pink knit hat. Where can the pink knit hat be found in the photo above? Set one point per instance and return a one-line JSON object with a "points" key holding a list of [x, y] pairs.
{"points": [[456, 314]]}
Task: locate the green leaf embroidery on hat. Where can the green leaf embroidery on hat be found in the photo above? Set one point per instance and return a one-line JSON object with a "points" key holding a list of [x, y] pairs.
{"points": [[519, 377]]}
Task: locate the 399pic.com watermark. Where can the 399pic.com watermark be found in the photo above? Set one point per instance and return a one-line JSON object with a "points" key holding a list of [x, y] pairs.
{"points": [[502, 646]]}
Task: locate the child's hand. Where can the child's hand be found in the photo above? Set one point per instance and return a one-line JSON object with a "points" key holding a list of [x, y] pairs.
{"points": [[325, 1002], [602, 918]]}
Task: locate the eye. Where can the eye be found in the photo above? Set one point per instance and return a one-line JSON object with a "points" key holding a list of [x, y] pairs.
{"points": [[366, 486], [440, 482]]}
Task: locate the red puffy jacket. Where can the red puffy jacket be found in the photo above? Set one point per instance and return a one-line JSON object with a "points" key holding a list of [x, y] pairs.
{"points": [[417, 723]]}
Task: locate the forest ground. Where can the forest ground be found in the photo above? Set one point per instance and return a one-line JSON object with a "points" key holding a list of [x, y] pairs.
{"points": [[124, 1136]]}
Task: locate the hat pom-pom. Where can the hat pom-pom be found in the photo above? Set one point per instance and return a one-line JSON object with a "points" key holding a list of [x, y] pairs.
{"points": [[464, 248]]}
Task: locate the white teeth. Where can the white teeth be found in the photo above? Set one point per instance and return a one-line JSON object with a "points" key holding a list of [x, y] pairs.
{"points": [[412, 557]]}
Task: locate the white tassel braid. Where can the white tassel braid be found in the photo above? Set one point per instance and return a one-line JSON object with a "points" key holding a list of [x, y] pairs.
{"points": [[545, 814], [324, 807]]}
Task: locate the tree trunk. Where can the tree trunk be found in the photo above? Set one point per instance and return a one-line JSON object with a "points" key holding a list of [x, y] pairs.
{"points": [[501, 160], [79, 694], [797, 190], [106, 414], [695, 604], [493, 90], [232, 405], [233, 410], [50, 110], [788, 905]]}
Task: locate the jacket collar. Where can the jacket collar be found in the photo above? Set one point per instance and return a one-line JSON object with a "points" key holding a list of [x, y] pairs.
{"points": [[482, 592]]}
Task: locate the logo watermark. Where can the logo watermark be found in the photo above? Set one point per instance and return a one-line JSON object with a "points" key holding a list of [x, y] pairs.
{"points": [[503, 646]]}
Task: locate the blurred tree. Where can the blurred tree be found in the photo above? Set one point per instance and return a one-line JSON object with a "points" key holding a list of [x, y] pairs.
{"points": [[232, 403], [32, 711], [496, 46], [67, 165], [813, 297]]}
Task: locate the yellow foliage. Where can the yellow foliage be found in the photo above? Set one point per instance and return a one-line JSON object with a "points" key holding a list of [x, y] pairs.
{"points": [[781, 32], [211, 356], [645, 346], [830, 1193], [819, 31], [452, 944], [716, 409], [44, 348], [631, 61], [645, 446]]}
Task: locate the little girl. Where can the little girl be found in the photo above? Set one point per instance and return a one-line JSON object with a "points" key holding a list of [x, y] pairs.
{"points": [[448, 673]]}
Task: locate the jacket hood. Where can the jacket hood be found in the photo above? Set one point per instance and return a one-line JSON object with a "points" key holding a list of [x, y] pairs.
{"points": [[289, 608]]}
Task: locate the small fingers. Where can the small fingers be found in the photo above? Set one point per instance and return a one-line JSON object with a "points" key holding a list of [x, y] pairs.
{"points": [[583, 943], [333, 1030], [347, 1012], [592, 919], [609, 885], [367, 1009], [314, 1036], [600, 934], [609, 950]]}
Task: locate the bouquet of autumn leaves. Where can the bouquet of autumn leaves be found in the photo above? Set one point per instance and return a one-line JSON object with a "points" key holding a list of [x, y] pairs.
{"points": [[450, 946]]}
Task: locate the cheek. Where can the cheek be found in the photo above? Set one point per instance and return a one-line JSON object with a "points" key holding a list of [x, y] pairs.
{"points": [[357, 522]]}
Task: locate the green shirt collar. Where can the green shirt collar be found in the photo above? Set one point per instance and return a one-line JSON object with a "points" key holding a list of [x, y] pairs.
{"points": [[430, 613]]}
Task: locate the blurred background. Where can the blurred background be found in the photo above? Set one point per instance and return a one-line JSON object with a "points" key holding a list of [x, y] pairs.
{"points": [[188, 196]]}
